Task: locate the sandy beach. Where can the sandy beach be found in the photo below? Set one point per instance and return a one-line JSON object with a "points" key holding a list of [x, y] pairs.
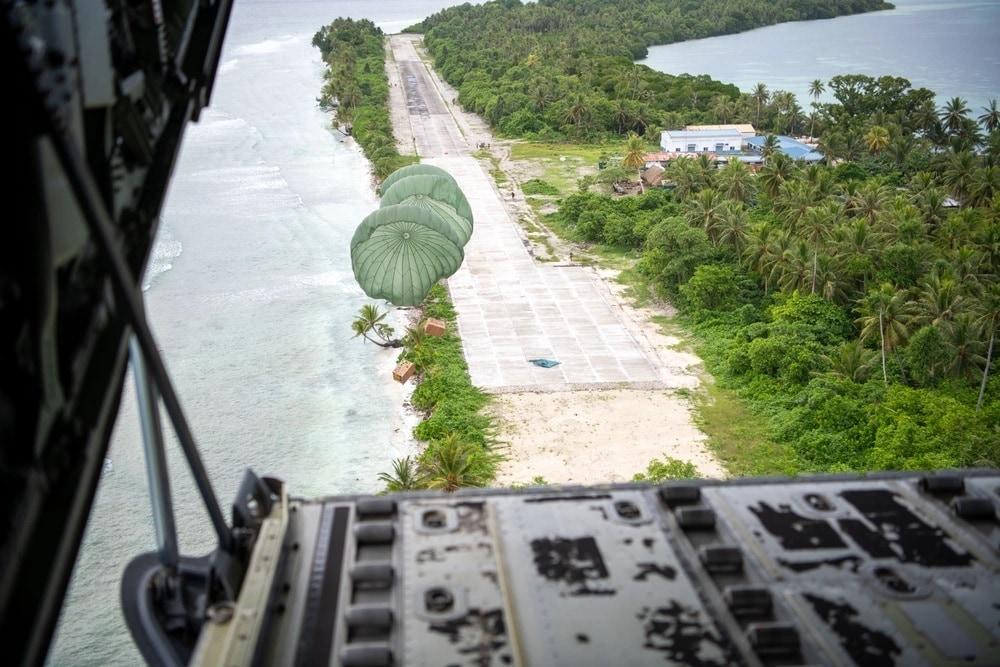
{"points": [[590, 437]]}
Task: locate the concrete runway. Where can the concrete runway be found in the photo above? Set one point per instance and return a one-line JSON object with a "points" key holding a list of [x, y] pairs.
{"points": [[510, 307]]}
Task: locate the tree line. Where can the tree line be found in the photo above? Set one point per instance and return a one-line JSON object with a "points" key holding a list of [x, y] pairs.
{"points": [[856, 306], [355, 83], [560, 69]]}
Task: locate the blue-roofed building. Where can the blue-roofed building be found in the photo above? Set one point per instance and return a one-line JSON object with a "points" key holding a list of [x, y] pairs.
{"points": [[790, 147], [718, 141]]}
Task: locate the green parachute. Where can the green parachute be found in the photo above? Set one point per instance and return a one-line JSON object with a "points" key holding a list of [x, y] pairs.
{"points": [[414, 170], [435, 193], [414, 239]]}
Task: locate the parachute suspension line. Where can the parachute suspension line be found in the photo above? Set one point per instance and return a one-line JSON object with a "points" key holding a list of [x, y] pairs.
{"points": [[157, 473], [127, 298]]}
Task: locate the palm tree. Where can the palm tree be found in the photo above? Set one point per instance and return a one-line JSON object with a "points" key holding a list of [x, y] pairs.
{"points": [[989, 320], [578, 111], [877, 139], [869, 201], [883, 311], [940, 300], [985, 184], [958, 174], [793, 116], [541, 96], [857, 243], [990, 118], [816, 89], [796, 267], [953, 114], [736, 182], [900, 149], [635, 155], [633, 81], [685, 175], [958, 228], [832, 146], [901, 223], [830, 283], [370, 325], [962, 336], [851, 361], [795, 198], [706, 170], [760, 251], [813, 117], [816, 226], [732, 226], [782, 100], [769, 147], [723, 109], [852, 145], [451, 465], [966, 264], [703, 211], [778, 169], [930, 202], [621, 114], [777, 259], [760, 97], [404, 475]]}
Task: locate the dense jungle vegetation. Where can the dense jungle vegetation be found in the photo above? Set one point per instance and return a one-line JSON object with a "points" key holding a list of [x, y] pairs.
{"points": [[356, 82], [563, 68], [855, 307]]}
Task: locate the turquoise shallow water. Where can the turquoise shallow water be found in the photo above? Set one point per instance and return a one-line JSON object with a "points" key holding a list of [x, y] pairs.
{"points": [[251, 294], [949, 46]]}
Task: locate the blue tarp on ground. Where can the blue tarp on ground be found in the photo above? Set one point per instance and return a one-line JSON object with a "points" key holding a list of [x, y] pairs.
{"points": [[544, 363]]}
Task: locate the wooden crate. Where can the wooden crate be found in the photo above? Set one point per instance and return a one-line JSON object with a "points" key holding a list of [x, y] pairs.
{"points": [[434, 327], [404, 372]]}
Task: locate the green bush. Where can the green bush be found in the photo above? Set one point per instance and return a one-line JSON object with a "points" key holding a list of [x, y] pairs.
{"points": [[460, 436], [712, 287], [619, 230], [927, 356], [921, 429], [538, 187], [825, 322], [672, 252], [668, 468]]}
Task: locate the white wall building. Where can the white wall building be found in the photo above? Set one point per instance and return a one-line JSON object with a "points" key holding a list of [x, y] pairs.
{"points": [[728, 140]]}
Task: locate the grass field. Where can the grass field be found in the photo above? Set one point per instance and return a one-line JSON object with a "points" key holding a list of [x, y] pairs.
{"points": [[563, 164]]}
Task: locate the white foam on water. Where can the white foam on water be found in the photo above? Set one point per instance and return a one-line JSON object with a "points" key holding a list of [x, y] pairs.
{"points": [[166, 250], [266, 46]]}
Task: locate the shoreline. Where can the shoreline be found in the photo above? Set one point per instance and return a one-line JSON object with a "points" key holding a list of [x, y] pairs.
{"points": [[406, 417]]}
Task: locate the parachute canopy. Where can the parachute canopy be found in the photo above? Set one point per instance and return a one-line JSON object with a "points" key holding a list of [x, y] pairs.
{"points": [[435, 193], [414, 239], [414, 170]]}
